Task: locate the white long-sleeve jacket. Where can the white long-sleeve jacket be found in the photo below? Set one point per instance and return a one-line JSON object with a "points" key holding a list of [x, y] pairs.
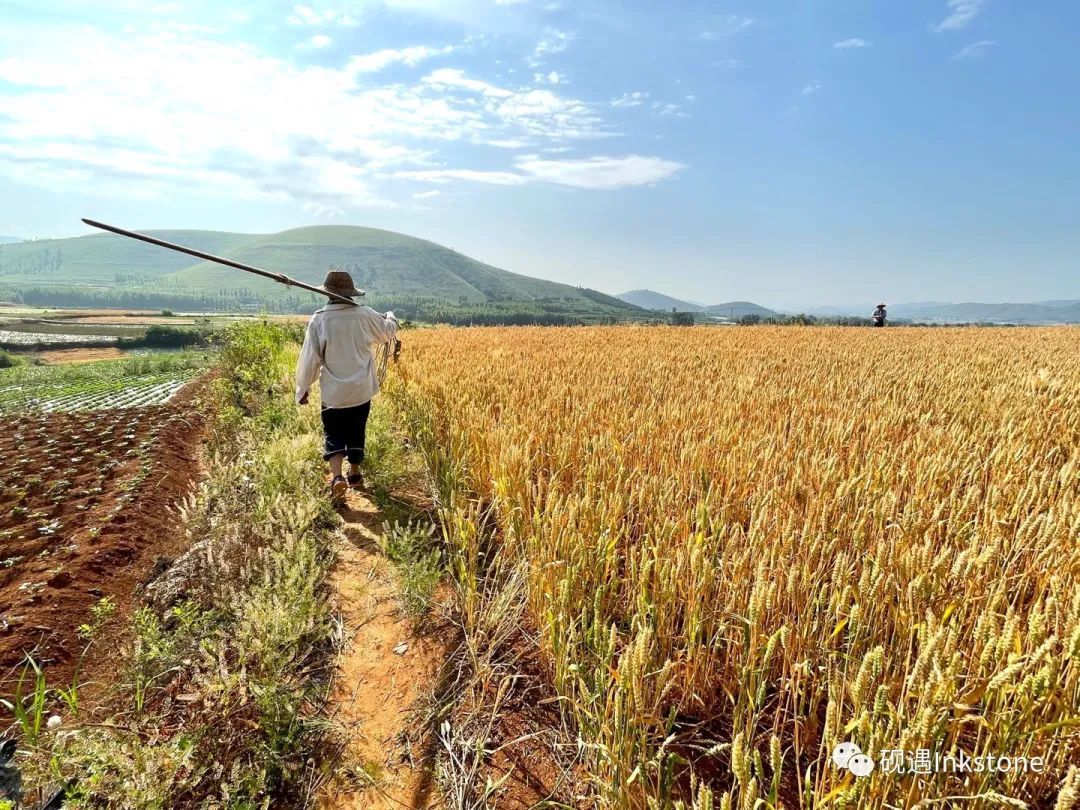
{"points": [[339, 351]]}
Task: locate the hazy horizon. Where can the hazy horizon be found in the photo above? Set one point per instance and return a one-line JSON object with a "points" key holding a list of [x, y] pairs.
{"points": [[794, 157]]}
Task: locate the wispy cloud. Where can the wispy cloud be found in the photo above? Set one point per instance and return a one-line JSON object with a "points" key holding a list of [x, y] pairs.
{"points": [[445, 176], [411, 57], [508, 143], [601, 172], [734, 24], [854, 42], [667, 108], [72, 119], [595, 173], [961, 13], [317, 42], [552, 41], [976, 50], [551, 77], [455, 79], [306, 15], [635, 99], [812, 88]]}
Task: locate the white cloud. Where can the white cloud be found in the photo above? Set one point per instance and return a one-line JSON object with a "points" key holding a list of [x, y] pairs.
{"points": [[427, 195], [811, 88], [961, 13], [317, 42], [734, 24], [154, 115], [552, 77], [321, 211], [975, 50], [410, 57], [603, 173], [552, 41], [854, 42], [635, 99], [595, 173], [508, 143], [443, 176], [306, 15], [455, 79], [660, 108]]}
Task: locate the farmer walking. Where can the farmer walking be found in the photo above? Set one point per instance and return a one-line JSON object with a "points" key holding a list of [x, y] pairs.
{"points": [[879, 315], [339, 350]]}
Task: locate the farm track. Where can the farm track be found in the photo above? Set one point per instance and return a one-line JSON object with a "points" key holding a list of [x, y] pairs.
{"points": [[382, 676], [85, 513]]}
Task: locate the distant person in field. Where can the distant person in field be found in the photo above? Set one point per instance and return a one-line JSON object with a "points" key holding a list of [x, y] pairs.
{"points": [[879, 315], [339, 350]]}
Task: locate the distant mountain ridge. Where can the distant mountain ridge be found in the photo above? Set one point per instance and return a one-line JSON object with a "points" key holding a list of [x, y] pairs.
{"points": [[1059, 311], [739, 309], [649, 299], [394, 268], [1056, 311], [1040, 312]]}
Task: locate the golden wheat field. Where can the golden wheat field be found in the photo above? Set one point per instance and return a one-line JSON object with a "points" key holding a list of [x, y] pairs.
{"points": [[745, 546]]}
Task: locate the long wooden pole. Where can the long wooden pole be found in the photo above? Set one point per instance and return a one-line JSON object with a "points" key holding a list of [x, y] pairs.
{"points": [[281, 278]]}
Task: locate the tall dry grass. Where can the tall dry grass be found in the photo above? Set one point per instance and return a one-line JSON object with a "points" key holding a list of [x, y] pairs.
{"points": [[747, 545]]}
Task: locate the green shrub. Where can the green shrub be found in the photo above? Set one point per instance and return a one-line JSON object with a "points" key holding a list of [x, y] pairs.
{"points": [[9, 360]]}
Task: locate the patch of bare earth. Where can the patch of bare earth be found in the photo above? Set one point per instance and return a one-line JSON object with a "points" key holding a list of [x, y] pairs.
{"points": [[385, 675], [56, 356], [86, 512]]}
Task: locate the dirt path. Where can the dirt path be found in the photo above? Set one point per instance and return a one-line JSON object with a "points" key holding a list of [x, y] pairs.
{"points": [[384, 674]]}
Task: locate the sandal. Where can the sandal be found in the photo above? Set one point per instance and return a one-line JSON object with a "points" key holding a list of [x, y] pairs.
{"points": [[356, 480], [338, 487]]}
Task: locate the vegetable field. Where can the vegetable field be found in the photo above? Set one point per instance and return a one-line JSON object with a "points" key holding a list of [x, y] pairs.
{"points": [[13, 338], [743, 547], [84, 496], [134, 382]]}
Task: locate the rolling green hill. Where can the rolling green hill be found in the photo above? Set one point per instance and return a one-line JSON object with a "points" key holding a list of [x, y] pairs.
{"points": [[420, 278]]}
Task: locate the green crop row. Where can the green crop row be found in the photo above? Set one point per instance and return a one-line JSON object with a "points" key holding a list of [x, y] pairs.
{"points": [[130, 382]]}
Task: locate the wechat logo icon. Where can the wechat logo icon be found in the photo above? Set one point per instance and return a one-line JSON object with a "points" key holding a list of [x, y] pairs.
{"points": [[849, 756]]}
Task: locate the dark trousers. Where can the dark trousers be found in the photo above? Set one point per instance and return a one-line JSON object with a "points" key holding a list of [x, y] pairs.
{"points": [[346, 431]]}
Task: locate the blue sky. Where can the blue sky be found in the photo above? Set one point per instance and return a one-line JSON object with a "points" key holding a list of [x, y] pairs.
{"points": [[789, 152]]}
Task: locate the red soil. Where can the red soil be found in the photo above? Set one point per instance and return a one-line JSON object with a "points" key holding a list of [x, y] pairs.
{"points": [[58, 356], [85, 513]]}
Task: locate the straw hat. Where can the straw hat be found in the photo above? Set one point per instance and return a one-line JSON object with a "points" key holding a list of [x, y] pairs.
{"points": [[340, 283]]}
